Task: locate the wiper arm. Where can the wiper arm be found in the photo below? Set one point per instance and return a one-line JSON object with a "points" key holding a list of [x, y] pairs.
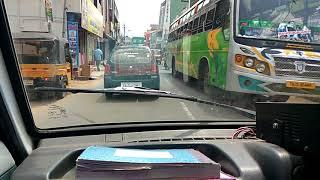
{"points": [[145, 92], [117, 90]]}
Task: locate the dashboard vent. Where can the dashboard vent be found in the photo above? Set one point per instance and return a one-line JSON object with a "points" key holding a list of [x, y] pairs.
{"points": [[293, 127], [181, 139]]}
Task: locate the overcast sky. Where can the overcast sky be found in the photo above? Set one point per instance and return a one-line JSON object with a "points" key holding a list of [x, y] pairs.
{"points": [[137, 15]]}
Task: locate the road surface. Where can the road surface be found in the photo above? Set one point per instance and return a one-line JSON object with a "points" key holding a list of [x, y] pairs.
{"points": [[83, 109]]}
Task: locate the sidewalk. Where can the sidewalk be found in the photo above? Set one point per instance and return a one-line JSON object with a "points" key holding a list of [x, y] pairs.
{"points": [[97, 74], [93, 81]]}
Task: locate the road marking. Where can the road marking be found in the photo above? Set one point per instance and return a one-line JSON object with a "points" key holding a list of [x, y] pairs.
{"points": [[83, 117], [186, 109]]}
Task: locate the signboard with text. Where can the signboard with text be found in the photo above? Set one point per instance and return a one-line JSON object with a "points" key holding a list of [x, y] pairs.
{"points": [[73, 38], [138, 40], [91, 18]]}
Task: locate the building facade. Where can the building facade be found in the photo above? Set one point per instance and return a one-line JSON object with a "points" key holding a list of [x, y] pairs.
{"points": [[171, 9], [157, 36], [112, 27], [177, 8], [87, 24], [88, 16], [162, 14], [155, 39], [31, 16], [162, 22], [151, 35]]}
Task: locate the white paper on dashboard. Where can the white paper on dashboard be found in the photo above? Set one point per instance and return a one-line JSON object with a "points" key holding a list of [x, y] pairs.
{"points": [[142, 154]]}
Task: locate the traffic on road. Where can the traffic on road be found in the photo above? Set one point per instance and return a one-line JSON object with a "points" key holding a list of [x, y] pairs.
{"points": [[154, 89], [138, 108], [210, 61]]}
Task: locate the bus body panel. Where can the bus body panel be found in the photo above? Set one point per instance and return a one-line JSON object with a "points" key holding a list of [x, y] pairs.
{"points": [[210, 46]]}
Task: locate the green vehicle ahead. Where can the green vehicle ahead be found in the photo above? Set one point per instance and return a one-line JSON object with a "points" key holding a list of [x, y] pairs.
{"points": [[131, 66]]}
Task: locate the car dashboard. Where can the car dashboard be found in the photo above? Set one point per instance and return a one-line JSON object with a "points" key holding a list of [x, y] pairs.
{"points": [[243, 158]]}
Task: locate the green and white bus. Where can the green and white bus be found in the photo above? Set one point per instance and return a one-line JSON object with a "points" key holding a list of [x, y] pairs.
{"points": [[258, 47]]}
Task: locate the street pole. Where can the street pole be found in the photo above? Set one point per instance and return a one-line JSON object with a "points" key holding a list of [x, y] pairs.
{"points": [[64, 19], [124, 33], [49, 27]]}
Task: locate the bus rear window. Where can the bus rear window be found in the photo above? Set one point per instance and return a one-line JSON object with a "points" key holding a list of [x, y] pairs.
{"points": [[125, 56]]}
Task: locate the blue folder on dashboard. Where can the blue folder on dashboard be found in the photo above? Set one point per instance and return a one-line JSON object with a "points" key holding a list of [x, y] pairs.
{"points": [[100, 153], [99, 162]]}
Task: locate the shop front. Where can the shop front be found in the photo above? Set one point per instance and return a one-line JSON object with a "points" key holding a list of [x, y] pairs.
{"points": [[73, 29], [91, 34]]}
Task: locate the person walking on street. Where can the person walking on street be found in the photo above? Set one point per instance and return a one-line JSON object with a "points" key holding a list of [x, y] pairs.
{"points": [[98, 55]]}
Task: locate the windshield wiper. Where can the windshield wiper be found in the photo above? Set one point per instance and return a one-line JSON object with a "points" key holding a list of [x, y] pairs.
{"points": [[145, 92]]}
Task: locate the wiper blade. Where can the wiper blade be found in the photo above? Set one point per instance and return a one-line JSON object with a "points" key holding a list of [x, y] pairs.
{"points": [[117, 90], [145, 92]]}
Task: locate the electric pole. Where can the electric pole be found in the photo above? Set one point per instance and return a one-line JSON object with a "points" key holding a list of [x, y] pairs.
{"points": [[124, 33], [64, 19]]}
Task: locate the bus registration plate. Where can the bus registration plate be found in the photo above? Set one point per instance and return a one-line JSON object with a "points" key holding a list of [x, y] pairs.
{"points": [[301, 85]]}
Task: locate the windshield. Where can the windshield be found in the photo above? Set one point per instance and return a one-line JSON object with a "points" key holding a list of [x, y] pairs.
{"points": [[113, 61], [131, 55], [290, 20], [36, 51]]}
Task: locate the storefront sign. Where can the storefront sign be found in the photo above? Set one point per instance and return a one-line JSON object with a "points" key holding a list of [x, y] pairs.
{"points": [[91, 18], [73, 38], [48, 7]]}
